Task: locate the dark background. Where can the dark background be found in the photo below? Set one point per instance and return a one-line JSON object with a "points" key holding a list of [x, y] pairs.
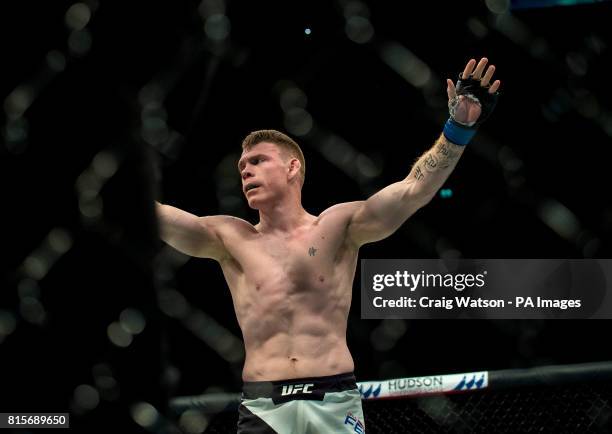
{"points": [[147, 100]]}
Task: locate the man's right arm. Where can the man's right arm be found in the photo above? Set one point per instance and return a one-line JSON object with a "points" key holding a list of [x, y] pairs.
{"points": [[190, 234]]}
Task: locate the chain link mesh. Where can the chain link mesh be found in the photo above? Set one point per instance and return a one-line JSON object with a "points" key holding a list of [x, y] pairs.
{"points": [[578, 408]]}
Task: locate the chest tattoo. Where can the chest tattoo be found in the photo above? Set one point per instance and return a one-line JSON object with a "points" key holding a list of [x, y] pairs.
{"points": [[312, 251]]}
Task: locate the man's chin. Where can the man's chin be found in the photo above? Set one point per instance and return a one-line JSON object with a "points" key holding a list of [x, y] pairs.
{"points": [[258, 201], [254, 203]]}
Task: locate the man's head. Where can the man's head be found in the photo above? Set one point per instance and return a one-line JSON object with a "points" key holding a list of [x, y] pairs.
{"points": [[271, 165]]}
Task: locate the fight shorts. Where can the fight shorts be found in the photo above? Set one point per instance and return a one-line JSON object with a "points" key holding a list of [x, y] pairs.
{"points": [[313, 405]]}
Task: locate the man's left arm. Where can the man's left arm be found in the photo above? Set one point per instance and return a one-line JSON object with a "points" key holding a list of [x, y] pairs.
{"points": [[470, 103]]}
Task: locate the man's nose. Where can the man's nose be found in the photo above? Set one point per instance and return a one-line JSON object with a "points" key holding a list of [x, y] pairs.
{"points": [[246, 173]]}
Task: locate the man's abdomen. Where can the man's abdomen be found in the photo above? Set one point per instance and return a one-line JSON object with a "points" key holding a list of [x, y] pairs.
{"points": [[284, 357]]}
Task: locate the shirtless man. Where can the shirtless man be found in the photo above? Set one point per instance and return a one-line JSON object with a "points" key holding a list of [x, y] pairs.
{"points": [[291, 274]]}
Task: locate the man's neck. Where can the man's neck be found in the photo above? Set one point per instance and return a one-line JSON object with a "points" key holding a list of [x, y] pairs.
{"points": [[282, 217]]}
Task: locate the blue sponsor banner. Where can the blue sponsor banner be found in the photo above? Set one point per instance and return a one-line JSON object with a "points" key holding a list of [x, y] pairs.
{"points": [[428, 385], [486, 288]]}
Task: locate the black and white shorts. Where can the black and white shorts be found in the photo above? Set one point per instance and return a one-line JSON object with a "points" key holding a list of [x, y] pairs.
{"points": [[328, 405]]}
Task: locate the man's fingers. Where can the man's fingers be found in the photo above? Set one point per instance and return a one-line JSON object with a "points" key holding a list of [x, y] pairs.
{"points": [[468, 69], [480, 68], [476, 72], [487, 77], [450, 89], [494, 86]]}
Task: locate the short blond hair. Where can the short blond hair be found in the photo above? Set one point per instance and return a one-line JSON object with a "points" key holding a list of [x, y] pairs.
{"points": [[281, 140]]}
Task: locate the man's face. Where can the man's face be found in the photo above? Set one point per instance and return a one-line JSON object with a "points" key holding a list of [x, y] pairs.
{"points": [[263, 170]]}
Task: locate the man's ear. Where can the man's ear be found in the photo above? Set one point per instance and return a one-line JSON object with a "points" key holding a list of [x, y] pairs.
{"points": [[294, 168]]}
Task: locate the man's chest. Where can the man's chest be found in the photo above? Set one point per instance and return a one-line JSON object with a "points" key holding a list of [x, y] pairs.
{"points": [[313, 251]]}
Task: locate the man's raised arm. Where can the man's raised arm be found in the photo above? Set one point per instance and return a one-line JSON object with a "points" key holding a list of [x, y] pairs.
{"points": [[470, 103], [189, 234]]}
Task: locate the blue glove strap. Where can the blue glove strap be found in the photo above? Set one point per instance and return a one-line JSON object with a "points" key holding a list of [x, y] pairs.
{"points": [[458, 134]]}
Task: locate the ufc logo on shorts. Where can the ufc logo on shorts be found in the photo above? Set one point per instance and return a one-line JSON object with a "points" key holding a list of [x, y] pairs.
{"points": [[293, 389]]}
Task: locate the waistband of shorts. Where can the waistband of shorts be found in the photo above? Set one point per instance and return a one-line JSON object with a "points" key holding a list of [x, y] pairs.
{"points": [[299, 388]]}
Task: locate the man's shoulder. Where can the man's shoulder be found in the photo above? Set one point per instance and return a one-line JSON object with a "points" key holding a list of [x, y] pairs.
{"points": [[344, 207], [228, 223], [341, 210]]}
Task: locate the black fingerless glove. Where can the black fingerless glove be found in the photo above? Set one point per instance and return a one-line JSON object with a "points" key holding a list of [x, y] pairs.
{"points": [[460, 133]]}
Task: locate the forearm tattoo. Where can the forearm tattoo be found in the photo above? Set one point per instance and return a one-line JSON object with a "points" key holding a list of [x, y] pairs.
{"points": [[418, 173], [446, 154], [440, 157], [431, 162]]}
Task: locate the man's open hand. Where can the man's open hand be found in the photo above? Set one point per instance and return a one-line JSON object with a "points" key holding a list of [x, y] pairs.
{"points": [[467, 110]]}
